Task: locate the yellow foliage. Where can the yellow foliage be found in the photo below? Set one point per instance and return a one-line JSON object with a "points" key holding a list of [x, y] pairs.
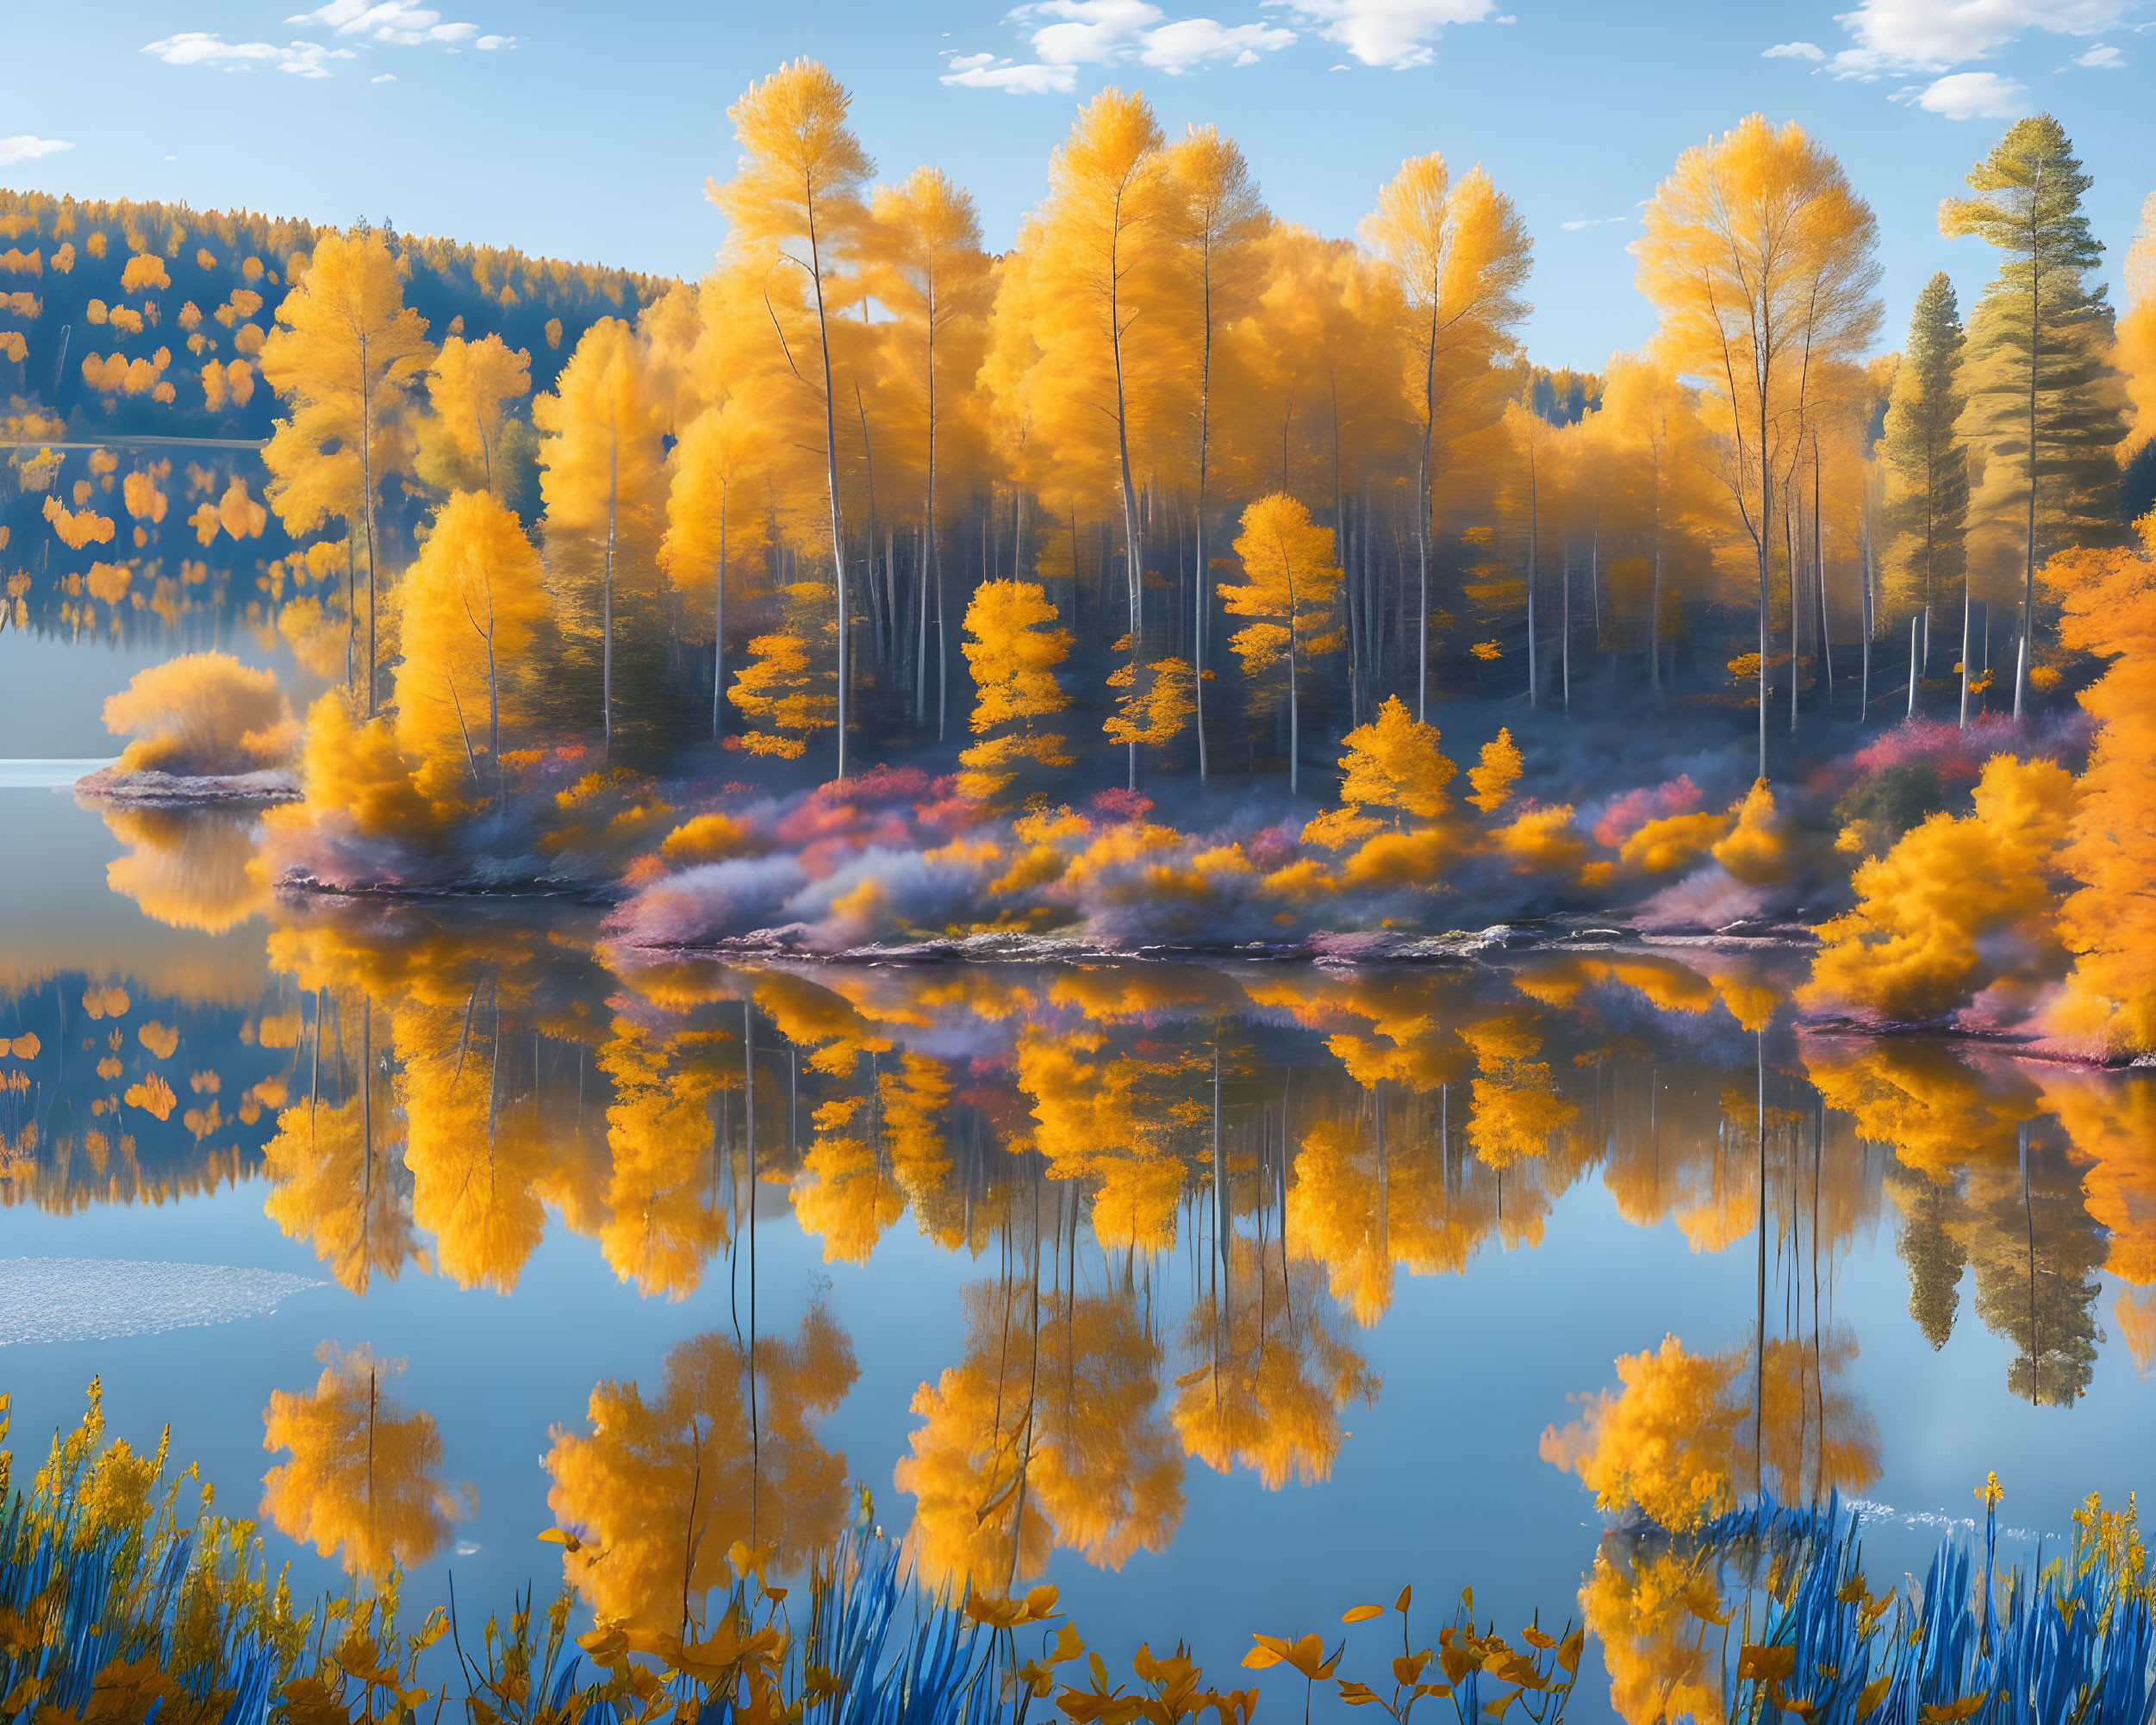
{"points": [[1913, 948], [1495, 774], [708, 839], [203, 713], [471, 604], [1673, 841], [1755, 850]]}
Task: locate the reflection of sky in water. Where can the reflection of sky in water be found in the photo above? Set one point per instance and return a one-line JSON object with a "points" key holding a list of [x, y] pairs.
{"points": [[1440, 1481]]}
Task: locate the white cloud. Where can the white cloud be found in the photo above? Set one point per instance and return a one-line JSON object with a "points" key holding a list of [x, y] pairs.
{"points": [[2103, 54], [493, 43], [386, 78], [1976, 96], [1091, 31], [1581, 222], [1793, 51], [22, 147], [206, 48], [1191, 42], [1934, 35], [386, 21], [1065, 34], [1388, 32], [980, 72]]}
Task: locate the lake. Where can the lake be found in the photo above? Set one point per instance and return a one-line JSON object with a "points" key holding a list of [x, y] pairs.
{"points": [[1225, 1296]]}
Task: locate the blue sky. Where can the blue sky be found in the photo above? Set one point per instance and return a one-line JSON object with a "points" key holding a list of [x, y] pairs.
{"points": [[585, 130]]}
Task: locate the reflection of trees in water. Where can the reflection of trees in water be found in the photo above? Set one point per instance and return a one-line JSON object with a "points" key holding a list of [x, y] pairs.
{"points": [[661, 1488], [1049, 1431], [364, 1480]]}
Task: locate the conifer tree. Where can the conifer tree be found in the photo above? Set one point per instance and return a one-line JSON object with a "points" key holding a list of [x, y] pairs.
{"points": [[1926, 465], [2041, 396]]}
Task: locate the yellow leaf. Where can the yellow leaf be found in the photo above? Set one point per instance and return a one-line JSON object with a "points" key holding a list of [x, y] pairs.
{"points": [[1361, 1614], [1401, 1605]]}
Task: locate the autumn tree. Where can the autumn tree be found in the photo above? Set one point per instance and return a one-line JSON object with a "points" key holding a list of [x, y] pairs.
{"points": [[1013, 653], [929, 269], [603, 469], [1758, 257], [710, 517], [471, 603], [1216, 218], [1927, 509], [1154, 702], [2039, 387], [1095, 257], [344, 354], [1945, 911], [469, 387], [1460, 254], [1653, 421], [798, 192], [1290, 581], [2109, 597]]}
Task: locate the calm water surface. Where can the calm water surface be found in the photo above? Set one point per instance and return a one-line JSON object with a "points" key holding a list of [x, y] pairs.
{"points": [[1224, 1297]]}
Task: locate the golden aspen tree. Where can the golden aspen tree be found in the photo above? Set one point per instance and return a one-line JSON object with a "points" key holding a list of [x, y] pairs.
{"points": [[467, 387], [1759, 259], [602, 472], [1460, 255], [470, 605], [1154, 702], [343, 354], [715, 464], [1014, 656], [2040, 385], [1394, 763], [927, 266], [1311, 403], [1653, 422], [1216, 219], [1495, 772], [798, 184], [2108, 598], [1097, 251], [782, 687], [1290, 580]]}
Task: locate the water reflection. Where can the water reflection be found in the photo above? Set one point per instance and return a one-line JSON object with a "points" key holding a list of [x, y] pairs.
{"points": [[1189, 1196]]}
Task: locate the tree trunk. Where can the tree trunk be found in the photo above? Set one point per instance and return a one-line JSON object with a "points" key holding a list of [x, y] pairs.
{"points": [[606, 627], [831, 476], [719, 624]]}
